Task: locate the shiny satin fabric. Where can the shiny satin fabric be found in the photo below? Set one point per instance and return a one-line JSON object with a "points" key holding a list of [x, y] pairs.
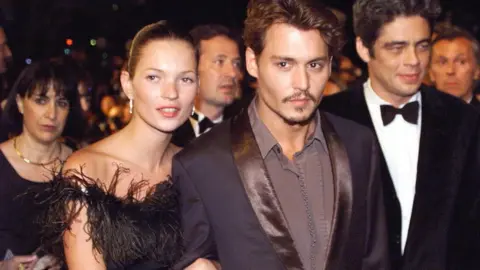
{"points": [[265, 203]]}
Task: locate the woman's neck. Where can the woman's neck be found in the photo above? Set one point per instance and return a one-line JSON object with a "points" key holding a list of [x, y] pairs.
{"points": [[147, 147], [36, 151]]}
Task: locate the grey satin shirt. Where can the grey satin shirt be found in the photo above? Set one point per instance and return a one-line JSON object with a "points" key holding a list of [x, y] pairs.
{"points": [[313, 166]]}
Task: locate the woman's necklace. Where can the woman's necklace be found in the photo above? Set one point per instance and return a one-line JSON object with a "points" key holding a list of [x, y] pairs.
{"points": [[35, 163]]}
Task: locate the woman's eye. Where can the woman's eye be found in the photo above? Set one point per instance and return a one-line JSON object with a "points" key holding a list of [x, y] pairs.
{"points": [[63, 103], [41, 100], [187, 80], [152, 78]]}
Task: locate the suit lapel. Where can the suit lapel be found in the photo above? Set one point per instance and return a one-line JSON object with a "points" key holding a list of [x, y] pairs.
{"points": [[260, 191], [342, 178], [432, 185]]}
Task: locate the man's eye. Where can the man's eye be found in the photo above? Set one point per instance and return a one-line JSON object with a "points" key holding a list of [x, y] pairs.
{"points": [[316, 65]]}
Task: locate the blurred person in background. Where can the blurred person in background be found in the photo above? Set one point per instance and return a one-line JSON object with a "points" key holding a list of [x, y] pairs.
{"points": [[5, 63], [219, 71], [41, 104], [455, 64]]}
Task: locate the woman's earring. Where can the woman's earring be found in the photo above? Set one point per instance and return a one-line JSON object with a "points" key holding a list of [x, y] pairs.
{"points": [[131, 106]]}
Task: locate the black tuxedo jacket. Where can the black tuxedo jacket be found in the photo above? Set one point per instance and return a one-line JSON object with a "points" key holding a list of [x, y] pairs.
{"points": [[475, 103], [447, 136], [230, 211]]}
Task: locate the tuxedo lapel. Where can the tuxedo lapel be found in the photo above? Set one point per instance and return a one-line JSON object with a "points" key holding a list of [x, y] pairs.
{"points": [[260, 191], [434, 185], [342, 178]]}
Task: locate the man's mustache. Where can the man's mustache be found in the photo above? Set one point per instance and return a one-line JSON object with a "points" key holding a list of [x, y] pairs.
{"points": [[302, 95]]}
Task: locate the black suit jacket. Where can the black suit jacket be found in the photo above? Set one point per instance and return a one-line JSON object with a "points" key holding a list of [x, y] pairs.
{"points": [[448, 130], [230, 211]]}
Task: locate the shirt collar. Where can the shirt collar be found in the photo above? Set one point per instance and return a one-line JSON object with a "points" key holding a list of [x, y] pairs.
{"points": [[201, 116]]}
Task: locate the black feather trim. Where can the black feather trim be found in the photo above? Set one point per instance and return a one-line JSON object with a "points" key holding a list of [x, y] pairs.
{"points": [[124, 230]]}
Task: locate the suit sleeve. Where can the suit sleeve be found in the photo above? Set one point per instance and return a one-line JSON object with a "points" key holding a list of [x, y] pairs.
{"points": [[376, 250], [198, 239]]}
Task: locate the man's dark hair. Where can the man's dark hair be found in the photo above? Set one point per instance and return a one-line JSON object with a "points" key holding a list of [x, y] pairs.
{"points": [[369, 16], [452, 32], [208, 31], [302, 14]]}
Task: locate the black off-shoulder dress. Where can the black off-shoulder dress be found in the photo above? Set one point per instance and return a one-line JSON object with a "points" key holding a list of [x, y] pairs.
{"points": [[129, 233]]}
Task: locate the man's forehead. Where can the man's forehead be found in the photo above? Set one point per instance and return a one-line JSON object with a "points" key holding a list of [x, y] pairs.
{"points": [[458, 42], [411, 29], [219, 45]]}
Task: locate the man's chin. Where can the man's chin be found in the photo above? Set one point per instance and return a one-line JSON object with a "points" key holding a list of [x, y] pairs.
{"points": [[226, 100], [299, 119]]}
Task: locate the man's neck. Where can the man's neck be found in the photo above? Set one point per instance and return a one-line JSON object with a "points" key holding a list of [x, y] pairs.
{"points": [[393, 99], [212, 112], [468, 98], [292, 138]]}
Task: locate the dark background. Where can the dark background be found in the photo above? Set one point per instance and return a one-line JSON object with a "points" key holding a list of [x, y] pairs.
{"points": [[39, 28]]}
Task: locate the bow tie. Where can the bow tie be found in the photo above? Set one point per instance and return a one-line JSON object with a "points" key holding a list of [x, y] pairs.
{"points": [[409, 112], [203, 124]]}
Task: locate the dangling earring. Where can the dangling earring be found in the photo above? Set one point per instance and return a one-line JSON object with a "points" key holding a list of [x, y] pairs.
{"points": [[131, 106]]}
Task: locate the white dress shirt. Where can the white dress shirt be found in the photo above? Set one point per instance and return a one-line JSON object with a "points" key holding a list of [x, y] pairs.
{"points": [[201, 116], [400, 141]]}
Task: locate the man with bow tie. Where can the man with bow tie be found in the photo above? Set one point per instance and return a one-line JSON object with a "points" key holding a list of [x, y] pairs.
{"points": [[219, 71], [425, 136]]}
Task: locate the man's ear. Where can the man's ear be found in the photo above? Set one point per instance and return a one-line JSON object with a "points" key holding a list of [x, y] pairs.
{"points": [[251, 62], [126, 81], [330, 66], [362, 50], [431, 75], [19, 101], [477, 73]]}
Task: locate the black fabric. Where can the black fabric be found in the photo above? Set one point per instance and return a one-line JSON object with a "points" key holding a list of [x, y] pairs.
{"points": [[448, 133], [409, 112], [130, 234], [203, 124], [19, 230], [219, 221], [475, 103]]}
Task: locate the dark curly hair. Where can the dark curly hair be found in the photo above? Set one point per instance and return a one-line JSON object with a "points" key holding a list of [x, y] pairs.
{"points": [[369, 16], [302, 14]]}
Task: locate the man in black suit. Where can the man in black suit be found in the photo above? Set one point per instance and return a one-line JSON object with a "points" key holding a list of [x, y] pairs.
{"points": [[425, 149], [283, 185], [455, 66], [219, 72]]}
